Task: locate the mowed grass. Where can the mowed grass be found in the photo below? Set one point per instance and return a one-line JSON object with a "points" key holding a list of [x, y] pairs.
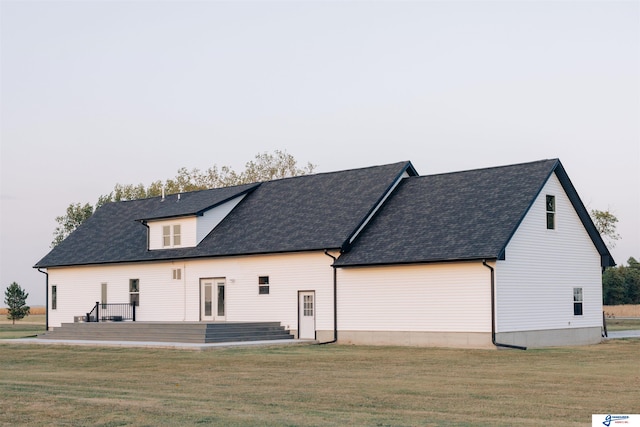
{"points": [[331, 385]]}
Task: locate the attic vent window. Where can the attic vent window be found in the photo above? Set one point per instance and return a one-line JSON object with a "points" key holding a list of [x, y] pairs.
{"points": [[177, 274], [263, 285], [551, 212]]}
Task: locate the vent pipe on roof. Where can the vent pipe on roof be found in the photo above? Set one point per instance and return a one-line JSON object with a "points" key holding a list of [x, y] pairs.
{"points": [[162, 200]]}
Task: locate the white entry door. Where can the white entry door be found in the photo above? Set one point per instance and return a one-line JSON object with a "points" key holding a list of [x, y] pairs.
{"points": [[212, 299], [307, 315]]}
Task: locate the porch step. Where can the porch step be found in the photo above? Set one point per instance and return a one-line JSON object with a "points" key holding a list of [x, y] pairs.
{"points": [[185, 332]]}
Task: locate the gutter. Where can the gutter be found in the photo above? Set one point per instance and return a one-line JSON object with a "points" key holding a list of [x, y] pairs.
{"points": [[493, 311], [46, 300], [335, 299]]}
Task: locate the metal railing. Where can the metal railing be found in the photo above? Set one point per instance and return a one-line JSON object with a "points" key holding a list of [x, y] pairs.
{"points": [[111, 312]]}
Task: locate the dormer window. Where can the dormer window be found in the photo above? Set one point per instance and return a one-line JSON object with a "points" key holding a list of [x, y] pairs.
{"points": [[171, 236]]}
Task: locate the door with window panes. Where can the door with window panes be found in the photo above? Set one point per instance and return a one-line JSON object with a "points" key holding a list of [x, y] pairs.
{"points": [[212, 299], [307, 315]]}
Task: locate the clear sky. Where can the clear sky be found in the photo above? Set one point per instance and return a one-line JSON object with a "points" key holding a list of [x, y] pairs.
{"points": [[99, 93]]}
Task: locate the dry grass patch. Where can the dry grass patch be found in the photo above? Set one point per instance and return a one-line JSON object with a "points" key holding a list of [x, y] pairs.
{"points": [[32, 311], [316, 385], [626, 310]]}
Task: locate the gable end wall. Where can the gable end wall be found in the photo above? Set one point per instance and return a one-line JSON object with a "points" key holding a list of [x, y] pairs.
{"points": [[534, 284]]}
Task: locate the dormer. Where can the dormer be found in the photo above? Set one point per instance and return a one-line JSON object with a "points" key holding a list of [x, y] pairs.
{"points": [[184, 220]]}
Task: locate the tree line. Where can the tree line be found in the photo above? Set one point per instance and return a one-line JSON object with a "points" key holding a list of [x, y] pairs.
{"points": [[264, 167], [621, 284]]}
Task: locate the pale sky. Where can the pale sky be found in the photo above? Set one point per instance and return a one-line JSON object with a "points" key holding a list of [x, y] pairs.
{"points": [[99, 93]]}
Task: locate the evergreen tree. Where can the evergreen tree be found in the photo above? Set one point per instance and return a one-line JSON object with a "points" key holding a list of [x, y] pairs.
{"points": [[16, 300]]}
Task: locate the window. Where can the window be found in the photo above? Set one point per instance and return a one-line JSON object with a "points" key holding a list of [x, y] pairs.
{"points": [[166, 236], [308, 305], [263, 285], [177, 274], [54, 297], [176, 235], [134, 291], [577, 301], [171, 235], [551, 212]]}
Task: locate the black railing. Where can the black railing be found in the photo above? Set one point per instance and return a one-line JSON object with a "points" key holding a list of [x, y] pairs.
{"points": [[111, 312]]}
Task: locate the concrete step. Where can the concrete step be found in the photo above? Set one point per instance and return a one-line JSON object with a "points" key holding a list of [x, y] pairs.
{"points": [[191, 332]]}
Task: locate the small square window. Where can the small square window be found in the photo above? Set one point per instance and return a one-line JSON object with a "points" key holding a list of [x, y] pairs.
{"points": [[177, 274], [263, 285]]}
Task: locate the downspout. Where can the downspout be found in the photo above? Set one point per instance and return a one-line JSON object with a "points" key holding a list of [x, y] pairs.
{"points": [[493, 311], [46, 300], [335, 300]]}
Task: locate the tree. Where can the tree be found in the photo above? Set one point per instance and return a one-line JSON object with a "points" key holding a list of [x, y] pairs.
{"points": [[264, 167], [16, 299], [621, 284], [76, 215], [606, 222]]}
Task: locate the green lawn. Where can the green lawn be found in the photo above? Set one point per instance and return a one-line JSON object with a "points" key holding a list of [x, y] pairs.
{"points": [[330, 385]]}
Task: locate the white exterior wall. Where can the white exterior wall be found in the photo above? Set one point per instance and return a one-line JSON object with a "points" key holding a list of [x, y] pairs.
{"points": [[211, 218], [165, 299], [447, 297], [534, 284], [187, 232]]}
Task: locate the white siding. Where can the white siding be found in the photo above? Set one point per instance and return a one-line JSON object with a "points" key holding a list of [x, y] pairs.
{"points": [[451, 297], [213, 217], [535, 282], [187, 232], [165, 299]]}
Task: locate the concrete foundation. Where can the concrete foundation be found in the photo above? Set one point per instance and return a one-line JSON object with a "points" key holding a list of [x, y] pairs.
{"points": [[417, 339], [552, 337]]}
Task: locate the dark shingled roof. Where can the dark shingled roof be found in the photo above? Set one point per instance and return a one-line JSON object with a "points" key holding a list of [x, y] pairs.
{"points": [[467, 215], [305, 213], [196, 202]]}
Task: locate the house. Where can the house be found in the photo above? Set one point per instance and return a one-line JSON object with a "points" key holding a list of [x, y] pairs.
{"points": [[504, 256]]}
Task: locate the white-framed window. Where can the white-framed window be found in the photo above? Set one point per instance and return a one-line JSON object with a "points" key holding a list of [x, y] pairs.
{"points": [[166, 235], [177, 241], [577, 301], [171, 235], [134, 291], [551, 212], [177, 274]]}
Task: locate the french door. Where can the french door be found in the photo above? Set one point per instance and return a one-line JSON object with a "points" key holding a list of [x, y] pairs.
{"points": [[212, 299]]}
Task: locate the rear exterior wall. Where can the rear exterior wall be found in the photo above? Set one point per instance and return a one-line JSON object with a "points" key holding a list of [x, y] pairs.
{"points": [[446, 304], [164, 299]]}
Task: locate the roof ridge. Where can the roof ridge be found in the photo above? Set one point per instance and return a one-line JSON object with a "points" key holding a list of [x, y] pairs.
{"points": [[405, 162], [488, 168]]}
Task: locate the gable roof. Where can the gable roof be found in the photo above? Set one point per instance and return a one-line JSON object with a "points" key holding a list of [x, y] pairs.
{"points": [[468, 215], [310, 212]]}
